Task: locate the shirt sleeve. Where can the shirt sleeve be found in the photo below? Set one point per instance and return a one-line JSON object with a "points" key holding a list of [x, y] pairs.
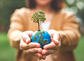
{"points": [[16, 28], [69, 33]]}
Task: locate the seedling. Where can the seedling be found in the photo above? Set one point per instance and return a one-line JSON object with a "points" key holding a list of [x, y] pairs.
{"points": [[38, 17]]}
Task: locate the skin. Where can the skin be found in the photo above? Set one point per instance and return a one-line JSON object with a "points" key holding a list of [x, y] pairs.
{"points": [[43, 2], [34, 48]]}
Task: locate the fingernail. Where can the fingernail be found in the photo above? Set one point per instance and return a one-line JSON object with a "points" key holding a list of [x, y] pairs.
{"points": [[57, 42], [40, 50], [39, 55], [44, 52], [27, 41], [44, 48]]}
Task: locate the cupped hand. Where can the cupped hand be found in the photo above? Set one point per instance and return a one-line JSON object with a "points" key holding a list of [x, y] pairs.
{"points": [[28, 47], [54, 45]]}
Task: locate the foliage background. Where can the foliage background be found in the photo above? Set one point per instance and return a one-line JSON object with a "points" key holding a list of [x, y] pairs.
{"points": [[7, 7]]}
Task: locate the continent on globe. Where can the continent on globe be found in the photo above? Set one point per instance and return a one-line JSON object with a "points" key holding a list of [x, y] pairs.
{"points": [[41, 37]]}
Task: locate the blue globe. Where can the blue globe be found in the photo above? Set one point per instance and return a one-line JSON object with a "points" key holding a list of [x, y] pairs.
{"points": [[41, 37]]}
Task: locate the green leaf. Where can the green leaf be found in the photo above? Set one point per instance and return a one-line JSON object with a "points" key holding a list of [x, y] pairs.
{"points": [[38, 16]]}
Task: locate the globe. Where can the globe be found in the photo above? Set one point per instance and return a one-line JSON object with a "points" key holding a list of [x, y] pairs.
{"points": [[41, 37]]}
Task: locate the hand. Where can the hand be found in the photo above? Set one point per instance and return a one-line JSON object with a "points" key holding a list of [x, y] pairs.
{"points": [[54, 45], [28, 47]]}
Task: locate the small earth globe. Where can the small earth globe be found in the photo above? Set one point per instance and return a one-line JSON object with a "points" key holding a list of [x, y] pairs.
{"points": [[41, 37]]}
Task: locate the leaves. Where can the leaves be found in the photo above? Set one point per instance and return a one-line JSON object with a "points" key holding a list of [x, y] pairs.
{"points": [[38, 16]]}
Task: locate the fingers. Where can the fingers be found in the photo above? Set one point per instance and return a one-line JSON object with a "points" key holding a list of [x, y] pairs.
{"points": [[43, 57], [25, 46], [25, 40], [26, 36], [29, 33], [51, 33], [55, 41], [47, 52], [51, 46], [30, 48], [33, 51], [40, 56], [55, 36]]}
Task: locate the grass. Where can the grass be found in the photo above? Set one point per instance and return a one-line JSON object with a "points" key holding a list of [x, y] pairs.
{"points": [[79, 51], [7, 53]]}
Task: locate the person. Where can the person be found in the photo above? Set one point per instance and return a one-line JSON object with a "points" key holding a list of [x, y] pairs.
{"points": [[60, 24]]}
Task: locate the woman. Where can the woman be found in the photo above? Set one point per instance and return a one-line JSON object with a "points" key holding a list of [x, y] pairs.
{"points": [[61, 25]]}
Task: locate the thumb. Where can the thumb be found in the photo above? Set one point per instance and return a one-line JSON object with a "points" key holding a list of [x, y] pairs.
{"points": [[26, 36], [56, 37]]}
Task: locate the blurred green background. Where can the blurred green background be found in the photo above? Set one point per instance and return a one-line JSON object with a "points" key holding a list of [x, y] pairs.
{"points": [[7, 7]]}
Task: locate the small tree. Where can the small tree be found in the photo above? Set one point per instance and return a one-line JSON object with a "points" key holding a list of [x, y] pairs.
{"points": [[38, 17]]}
